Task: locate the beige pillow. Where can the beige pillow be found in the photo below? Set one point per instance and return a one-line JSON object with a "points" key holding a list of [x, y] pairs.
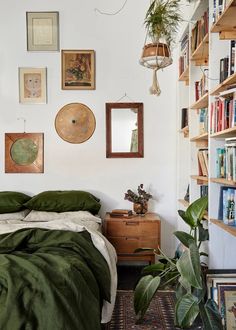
{"points": [[39, 216], [14, 216]]}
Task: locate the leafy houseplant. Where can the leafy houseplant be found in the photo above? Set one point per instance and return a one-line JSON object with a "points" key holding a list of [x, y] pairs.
{"points": [[139, 199], [185, 273]]}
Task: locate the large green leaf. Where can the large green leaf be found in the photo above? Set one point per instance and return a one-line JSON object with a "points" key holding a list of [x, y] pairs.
{"points": [[144, 293], [195, 211], [186, 310], [185, 284], [210, 315], [184, 238], [155, 268], [180, 290], [189, 266], [187, 220]]}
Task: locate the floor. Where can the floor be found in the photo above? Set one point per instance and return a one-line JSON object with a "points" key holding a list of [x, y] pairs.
{"points": [[128, 276]]}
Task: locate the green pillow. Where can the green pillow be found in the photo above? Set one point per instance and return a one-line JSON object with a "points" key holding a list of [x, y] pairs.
{"points": [[12, 201], [64, 201]]}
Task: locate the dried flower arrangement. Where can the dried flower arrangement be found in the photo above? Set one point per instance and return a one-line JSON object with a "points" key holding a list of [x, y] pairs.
{"points": [[141, 197]]}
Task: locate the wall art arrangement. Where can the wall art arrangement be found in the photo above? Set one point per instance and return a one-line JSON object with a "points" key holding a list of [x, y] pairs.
{"points": [[42, 31], [33, 85], [75, 123], [78, 69], [24, 153]]}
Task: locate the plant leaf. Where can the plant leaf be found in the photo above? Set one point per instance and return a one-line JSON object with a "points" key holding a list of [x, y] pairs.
{"points": [[189, 266], [210, 315], [144, 292], [203, 234], [186, 310], [159, 267], [185, 284], [195, 211], [184, 238]]}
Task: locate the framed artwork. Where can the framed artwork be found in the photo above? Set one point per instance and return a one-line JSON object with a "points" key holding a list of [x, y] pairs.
{"points": [[220, 285], [78, 69], [33, 85], [42, 31], [24, 153], [75, 123]]}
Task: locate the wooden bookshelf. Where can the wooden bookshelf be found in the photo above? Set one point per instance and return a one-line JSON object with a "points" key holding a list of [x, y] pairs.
{"points": [[201, 103], [200, 140], [223, 181], [229, 229], [200, 179], [185, 76], [223, 86], [201, 53], [225, 24], [183, 202], [229, 132], [185, 131], [205, 216]]}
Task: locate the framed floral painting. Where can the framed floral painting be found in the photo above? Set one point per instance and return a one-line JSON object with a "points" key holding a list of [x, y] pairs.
{"points": [[78, 69]]}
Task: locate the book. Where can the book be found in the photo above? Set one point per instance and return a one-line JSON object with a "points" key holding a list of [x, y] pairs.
{"points": [[121, 212], [121, 215]]}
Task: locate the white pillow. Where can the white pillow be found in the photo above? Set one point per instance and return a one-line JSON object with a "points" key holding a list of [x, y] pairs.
{"points": [[14, 216], [50, 216]]}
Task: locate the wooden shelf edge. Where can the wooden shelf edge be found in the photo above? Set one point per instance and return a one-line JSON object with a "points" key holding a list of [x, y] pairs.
{"points": [[229, 132], [223, 181], [199, 54], [183, 202], [223, 86], [203, 136], [229, 11], [200, 179], [229, 229], [184, 75], [201, 103]]}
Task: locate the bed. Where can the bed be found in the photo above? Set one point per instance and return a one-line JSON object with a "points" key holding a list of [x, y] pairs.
{"points": [[57, 270]]}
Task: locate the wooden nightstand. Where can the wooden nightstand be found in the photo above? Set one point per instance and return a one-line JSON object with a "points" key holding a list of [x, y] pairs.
{"points": [[126, 235]]}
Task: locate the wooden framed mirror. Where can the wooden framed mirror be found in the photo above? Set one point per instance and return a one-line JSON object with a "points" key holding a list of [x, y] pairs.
{"points": [[124, 130]]}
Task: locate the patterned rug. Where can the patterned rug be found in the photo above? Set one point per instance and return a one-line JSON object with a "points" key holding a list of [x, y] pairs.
{"points": [[160, 314]]}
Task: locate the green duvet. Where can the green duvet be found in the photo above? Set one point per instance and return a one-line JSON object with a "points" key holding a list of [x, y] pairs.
{"points": [[50, 280]]}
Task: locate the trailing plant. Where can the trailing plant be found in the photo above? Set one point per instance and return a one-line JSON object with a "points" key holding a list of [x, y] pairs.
{"points": [[162, 19], [184, 273]]}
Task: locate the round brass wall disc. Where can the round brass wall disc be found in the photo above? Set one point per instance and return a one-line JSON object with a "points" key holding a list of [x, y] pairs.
{"points": [[75, 123]]}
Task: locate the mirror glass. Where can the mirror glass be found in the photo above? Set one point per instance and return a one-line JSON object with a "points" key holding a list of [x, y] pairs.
{"points": [[124, 129]]}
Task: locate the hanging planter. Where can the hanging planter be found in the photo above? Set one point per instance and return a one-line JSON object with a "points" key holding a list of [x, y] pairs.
{"points": [[162, 19]]}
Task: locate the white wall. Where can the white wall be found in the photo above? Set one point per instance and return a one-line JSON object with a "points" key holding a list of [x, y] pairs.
{"points": [[118, 41]]}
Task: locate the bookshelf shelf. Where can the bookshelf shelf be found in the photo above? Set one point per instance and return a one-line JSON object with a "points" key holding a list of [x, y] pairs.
{"points": [[224, 85], [200, 140], [229, 229], [200, 179], [185, 76], [223, 181], [201, 103], [225, 24], [206, 217], [229, 132], [183, 202], [185, 131], [201, 53]]}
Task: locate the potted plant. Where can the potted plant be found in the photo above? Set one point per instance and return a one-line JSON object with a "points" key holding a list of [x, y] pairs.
{"points": [[139, 199], [185, 272]]}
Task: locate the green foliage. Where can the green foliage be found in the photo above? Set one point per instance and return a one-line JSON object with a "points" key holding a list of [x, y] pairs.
{"points": [[185, 273], [162, 19]]}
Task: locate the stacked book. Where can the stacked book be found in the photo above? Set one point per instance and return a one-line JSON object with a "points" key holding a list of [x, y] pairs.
{"points": [[121, 213]]}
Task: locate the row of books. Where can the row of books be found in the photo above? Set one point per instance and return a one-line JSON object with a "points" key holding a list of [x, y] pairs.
{"points": [[199, 31], [201, 87], [184, 54], [227, 203], [226, 160], [184, 117], [218, 8], [203, 121], [223, 113], [202, 156], [227, 64]]}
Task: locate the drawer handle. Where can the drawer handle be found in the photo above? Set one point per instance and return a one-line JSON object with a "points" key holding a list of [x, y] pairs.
{"points": [[132, 238], [132, 223]]}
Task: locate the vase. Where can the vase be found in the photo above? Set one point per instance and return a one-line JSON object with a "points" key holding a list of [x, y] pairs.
{"points": [[140, 208]]}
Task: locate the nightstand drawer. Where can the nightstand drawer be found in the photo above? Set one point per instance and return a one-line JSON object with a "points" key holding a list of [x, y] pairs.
{"points": [[125, 245], [130, 227]]}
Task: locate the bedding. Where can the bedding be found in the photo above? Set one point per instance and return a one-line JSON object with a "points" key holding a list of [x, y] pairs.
{"points": [[55, 275], [14, 216], [63, 201], [12, 201]]}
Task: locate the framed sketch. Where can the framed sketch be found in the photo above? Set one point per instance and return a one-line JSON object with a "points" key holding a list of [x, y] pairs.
{"points": [[42, 31], [78, 69], [24, 153], [32, 85]]}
